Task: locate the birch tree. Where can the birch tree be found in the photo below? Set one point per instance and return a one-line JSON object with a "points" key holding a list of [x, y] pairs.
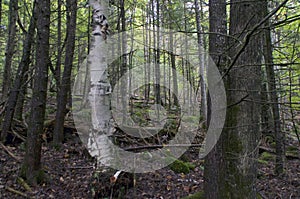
{"points": [[100, 88]]}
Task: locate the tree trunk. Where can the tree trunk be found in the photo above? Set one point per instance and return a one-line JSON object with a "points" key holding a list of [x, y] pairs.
{"points": [[201, 61], [13, 14], [279, 136], [157, 58], [265, 110], [32, 161], [123, 60], [174, 74], [99, 96], [64, 88], [0, 13], [20, 80], [241, 131], [18, 115], [214, 166], [57, 74], [146, 59]]}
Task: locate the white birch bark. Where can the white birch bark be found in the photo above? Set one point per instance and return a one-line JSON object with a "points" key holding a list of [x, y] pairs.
{"points": [[99, 96]]}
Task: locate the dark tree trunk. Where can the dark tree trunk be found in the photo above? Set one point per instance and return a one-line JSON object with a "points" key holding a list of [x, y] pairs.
{"points": [[201, 59], [279, 136], [157, 57], [0, 12], [217, 49], [124, 66], [148, 55], [13, 15], [64, 88], [146, 60], [265, 110], [241, 131], [32, 161], [20, 80], [174, 74], [18, 115], [59, 47]]}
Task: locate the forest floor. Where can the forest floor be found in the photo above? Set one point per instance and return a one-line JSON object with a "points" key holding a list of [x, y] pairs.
{"points": [[70, 173]]}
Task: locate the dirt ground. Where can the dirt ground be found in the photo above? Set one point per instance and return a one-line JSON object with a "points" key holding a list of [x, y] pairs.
{"points": [[70, 175]]}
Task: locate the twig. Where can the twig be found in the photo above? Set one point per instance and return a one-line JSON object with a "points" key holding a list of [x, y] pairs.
{"points": [[22, 182], [88, 167], [161, 146], [248, 36], [240, 101], [18, 135], [2, 105], [10, 153], [16, 191]]}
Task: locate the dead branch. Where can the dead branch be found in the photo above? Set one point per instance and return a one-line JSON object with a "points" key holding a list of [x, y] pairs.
{"points": [[18, 135], [16, 192], [249, 35], [87, 167], [22, 182], [161, 146], [273, 151], [10, 153]]}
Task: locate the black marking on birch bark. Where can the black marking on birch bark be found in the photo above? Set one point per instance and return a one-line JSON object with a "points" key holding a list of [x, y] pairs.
{"points": [[99, 20]]}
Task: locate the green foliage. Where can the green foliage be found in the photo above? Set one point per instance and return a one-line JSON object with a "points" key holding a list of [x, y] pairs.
{"points": [[266, 156], [286, 53], [179, 166], [292, 151], [39, 177]]}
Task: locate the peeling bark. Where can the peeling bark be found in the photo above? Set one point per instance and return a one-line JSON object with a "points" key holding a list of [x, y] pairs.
{"points": [[99, 96]]}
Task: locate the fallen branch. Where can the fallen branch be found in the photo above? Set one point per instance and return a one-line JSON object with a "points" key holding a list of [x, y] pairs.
{"points": [[16, 192], [10, 153], [273, 151], [87, 167], [18, 135], [2, 105], [161, 146], [22, 182]]}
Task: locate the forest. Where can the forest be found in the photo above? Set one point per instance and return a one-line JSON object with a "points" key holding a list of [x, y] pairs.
{"points": [[152, 99]]}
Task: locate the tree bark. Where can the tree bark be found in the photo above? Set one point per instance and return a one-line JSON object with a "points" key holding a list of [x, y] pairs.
{"points": [[57, 74], [0, 13], [32, 161], [241, 131], [99, 96], [201, 61], [268, 55], [157, 57], [13, 15], [123, 60], [21, 78], [214, 166], [64, 88]]}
